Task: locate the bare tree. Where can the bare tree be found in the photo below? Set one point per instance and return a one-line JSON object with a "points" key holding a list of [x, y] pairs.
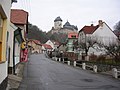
{"points": [[117, 26], [112, 49], [89, 42]]}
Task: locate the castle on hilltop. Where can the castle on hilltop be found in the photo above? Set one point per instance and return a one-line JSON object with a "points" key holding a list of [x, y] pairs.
{"points": [[66, 28]]}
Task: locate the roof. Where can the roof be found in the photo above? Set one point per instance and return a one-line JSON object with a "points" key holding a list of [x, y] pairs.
{"points": [[58, 19], [73, 35], [36, 41], [14, 1], [89, 29], [67, 25], [46, 46], [19, 16]]}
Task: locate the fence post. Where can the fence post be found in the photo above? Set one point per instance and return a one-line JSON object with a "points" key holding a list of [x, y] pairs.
{"points": [[83, 66], [74, 63], [95, 68], [59, 59], [115, 74], [53, 58], [68, 62], [56, 58], [63, 60]]}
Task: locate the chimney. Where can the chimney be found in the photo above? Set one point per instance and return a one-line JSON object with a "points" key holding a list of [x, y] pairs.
{"points": [[92, 25], [100, 23]]}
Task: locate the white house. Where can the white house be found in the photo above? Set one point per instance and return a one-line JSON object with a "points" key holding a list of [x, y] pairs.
{"points": [[46, 48], [14, 44], [53, 44], [101, 33], [49, 42]]}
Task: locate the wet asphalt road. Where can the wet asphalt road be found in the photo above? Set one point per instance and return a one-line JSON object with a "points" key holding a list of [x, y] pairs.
{"points": [[42, 73]]}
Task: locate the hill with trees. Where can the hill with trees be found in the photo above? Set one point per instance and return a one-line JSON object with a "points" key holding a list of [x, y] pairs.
{"points": [[35, 33]]}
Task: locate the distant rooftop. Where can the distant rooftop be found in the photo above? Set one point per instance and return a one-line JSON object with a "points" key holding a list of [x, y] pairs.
{"points": [[89, 29], [58, 19], [73, 35], [67, 25]]}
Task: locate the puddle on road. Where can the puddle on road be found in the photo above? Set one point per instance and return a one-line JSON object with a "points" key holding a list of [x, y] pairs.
{"points": [[88, 80]]}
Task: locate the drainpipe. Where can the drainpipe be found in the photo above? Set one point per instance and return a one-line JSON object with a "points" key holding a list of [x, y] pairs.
{"points": [[14, 55]]}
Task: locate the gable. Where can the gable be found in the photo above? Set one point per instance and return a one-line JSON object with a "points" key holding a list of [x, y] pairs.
{"points": [[104, 31], [49, 42], [105, 34]]}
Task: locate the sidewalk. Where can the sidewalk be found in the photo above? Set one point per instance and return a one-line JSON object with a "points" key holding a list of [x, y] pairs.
{"points": [[15, 80]]}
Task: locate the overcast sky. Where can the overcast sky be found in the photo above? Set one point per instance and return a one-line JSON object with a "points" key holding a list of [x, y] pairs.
{"points": [[78, 12]]}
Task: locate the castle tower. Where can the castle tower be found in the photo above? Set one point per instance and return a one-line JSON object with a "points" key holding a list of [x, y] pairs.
{"points": [[58, 23]]}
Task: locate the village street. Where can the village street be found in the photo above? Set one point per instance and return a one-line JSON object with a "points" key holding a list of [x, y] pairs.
{"points": [[42, 73]]}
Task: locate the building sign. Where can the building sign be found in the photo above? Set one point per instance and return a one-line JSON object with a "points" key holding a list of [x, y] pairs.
{"points": [[23, 45]]}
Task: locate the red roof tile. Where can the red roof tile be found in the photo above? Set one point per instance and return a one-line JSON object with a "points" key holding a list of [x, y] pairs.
{"points": [[36, 41], [89, 29], [47, 46], [70, 35], [19, 16]]}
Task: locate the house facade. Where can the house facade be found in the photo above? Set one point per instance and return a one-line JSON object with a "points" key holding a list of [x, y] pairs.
{"points": [[5, 6], [62, 48], [72, 38], [36, 46], [46, 48], [100, 33], [20, 19], [53, 44], [14, 45]]}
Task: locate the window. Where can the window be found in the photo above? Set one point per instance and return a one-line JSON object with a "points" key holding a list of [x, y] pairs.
{"points": [[73, 36]]}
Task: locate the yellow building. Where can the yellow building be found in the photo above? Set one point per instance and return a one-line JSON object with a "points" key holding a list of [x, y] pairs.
{"points": [[5, 6]]}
